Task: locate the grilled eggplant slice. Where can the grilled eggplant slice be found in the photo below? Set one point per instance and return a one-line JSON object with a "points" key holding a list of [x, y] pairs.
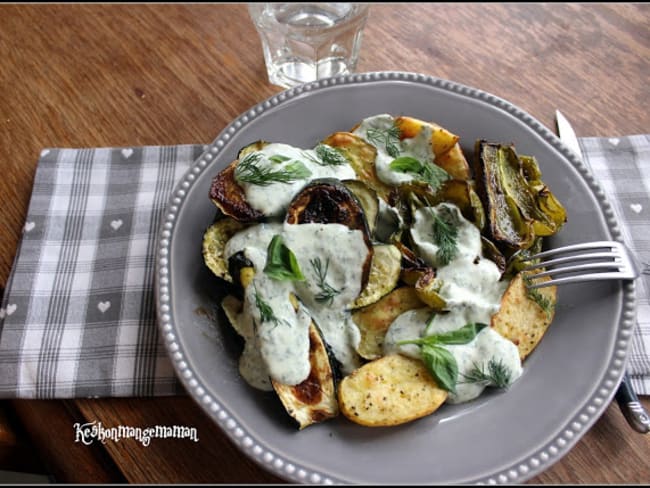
{"points": [[315, 399], [328, 201], [228, 196]]}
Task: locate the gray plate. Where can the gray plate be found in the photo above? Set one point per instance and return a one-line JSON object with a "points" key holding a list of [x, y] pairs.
{"points": [[502, 437]]}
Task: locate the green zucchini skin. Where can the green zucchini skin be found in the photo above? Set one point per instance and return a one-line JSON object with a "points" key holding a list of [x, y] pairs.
{"points": [[315, 399]]}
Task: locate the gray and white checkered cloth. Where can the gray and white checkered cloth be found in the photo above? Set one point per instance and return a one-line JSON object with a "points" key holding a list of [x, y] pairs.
{"points": [[78, 314]]}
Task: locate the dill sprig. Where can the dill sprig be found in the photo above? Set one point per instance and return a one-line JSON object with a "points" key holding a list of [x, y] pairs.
{"points": [[327, 156], [497, 374], [445, 236], [327, 292], [535, 295], [248, 170], [266, 312], [389, 138]]}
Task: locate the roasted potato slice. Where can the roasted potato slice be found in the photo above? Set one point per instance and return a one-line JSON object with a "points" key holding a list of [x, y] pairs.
{"points": [[454, 162], [385, 269], [373, 321], [525, 315], [362, 159], [389, 391], [441, 139]]}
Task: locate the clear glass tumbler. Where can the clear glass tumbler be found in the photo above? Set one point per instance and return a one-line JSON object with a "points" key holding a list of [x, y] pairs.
{"points": [[303, 42]]}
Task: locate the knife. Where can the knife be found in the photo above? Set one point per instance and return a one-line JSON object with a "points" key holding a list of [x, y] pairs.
{"points": [[626, 398]]}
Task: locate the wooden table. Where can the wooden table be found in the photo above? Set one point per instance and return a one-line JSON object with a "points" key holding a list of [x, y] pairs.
{"points": [[125, 75]]}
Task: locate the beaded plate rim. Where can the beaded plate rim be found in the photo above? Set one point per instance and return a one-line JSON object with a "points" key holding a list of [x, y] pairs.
{"points": [[520, 470]]}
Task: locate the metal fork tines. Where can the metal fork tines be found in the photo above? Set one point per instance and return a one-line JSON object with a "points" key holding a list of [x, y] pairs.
{"points": [[600, 260]]}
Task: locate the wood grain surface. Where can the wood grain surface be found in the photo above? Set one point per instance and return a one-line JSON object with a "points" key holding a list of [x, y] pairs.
{"points": [[95, 75]]}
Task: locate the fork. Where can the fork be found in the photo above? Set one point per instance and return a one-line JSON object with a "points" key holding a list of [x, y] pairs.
{"points": [[589, 261]]}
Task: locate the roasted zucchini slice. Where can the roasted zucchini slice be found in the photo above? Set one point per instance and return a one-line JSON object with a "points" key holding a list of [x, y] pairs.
{"points": [[214, 244], [385, 269], [228, 196], [389, 391], [426, 288], [315, 399], [367, 198], [373, 321]]}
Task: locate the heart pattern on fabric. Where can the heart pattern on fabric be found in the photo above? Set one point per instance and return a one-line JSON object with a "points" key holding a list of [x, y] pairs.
{"points": [[636, 207], [29, 226], [127, 152], [6, 312], [614, 141], [116, 224], [103, 306]]}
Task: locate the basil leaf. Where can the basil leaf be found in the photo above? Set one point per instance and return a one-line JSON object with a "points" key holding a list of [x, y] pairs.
{"points": [[442, 366], [277, 158], [455, 337], [406, 164], [298, 170], [432, 174], [459, 336], [281, 262]]}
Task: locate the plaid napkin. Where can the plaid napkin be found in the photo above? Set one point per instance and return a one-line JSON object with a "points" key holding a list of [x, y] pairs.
{"points": [[622, 167], [78, 315]]}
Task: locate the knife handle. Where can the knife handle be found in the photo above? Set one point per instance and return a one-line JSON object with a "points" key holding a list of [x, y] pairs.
{"points": [[632, 409]]}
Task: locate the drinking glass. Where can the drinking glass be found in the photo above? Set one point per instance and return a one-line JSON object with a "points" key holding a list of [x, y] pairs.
{"points": [[303, 42]]}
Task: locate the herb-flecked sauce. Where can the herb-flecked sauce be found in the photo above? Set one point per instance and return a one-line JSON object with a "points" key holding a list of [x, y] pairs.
{"points": [[283, 343], [277, 344]]}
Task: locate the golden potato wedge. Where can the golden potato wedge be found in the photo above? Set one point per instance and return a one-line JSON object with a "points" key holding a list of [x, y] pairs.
{"points": [[525, 314], [441, 139], [373, 321], [389, 391], [362, 159], [385, 269], [454, 162]]}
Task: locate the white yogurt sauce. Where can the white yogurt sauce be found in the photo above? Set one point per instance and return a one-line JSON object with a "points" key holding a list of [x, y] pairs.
{"points": [[283, 344], [418, 147], [273, 199], [472, 290]]}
